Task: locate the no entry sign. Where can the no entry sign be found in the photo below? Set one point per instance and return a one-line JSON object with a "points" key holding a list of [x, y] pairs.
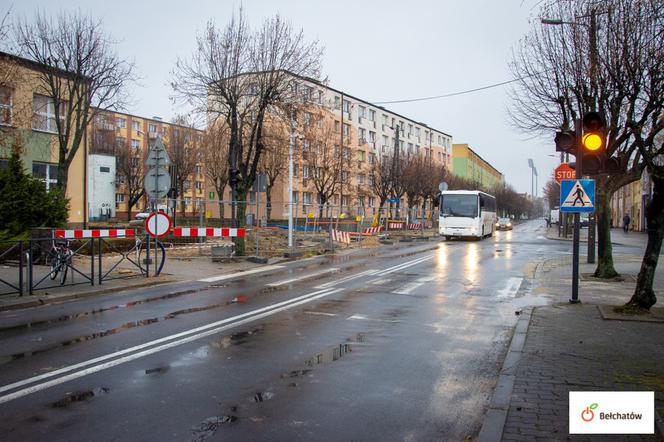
{"points": [[564, 172], [158, 224]]}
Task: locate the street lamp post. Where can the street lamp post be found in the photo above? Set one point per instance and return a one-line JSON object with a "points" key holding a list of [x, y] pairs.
{"points": [[532, 177], [291, 143]]}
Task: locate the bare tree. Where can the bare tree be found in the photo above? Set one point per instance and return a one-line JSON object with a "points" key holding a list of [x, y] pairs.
{"points": [[274, 161], [552, 193], [83, 76], [183, 149], [238, 76], [380, 179], [214, 150], [607, 58], [322, 158], [130, 171]]}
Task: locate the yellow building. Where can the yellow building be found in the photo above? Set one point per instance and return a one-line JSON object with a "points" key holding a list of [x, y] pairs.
{"points": [[28, 115], [631, 200], [124, 140], [468, 164]]}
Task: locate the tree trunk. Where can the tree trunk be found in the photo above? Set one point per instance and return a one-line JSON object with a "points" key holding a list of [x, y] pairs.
{"points": [[241, 209], [644, 295], [221, 212], [268, 206], [605, 268]]}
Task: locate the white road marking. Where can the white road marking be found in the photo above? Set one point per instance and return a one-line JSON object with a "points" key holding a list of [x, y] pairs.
{"points": [[408, 288], [303, 277], [404, 265], [511, 288], [379, 281], [240, 274], [187, 336], [426, 279], [357, 316], [320, 313], [347, 278]]}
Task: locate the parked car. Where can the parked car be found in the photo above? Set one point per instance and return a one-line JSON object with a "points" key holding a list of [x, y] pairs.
{"points": [[504, 224], [142, 215]]}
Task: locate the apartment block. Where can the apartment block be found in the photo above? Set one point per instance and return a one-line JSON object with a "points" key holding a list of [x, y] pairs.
{"points": [[27, 116], [361, 133], [468, 164]]}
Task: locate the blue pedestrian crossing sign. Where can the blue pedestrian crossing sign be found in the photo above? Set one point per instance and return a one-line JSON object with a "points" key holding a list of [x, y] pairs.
{"points": [[577, 196]]}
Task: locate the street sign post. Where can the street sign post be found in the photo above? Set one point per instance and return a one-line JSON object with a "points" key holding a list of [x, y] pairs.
{"points": [[564, 172], [577, 196], [157, 183]]}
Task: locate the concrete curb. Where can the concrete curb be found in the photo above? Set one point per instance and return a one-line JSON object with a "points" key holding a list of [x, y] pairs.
{"points": [[496, 415], [52, 299]]}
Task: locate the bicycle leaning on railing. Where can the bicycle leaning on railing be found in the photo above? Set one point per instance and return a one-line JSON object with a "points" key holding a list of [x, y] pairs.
{"points": [[61, 260]]}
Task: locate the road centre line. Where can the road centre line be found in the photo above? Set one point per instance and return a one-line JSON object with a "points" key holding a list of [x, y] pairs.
{"points": [[153, 350], [347, 278], [403, 266], [156, 342], [303, 277], [240, 274]]}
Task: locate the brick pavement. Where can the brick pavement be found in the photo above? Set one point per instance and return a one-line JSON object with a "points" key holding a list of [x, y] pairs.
{"points": [[570, 347]]}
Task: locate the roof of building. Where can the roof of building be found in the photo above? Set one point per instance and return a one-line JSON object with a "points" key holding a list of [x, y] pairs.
{"points": [[367, 102], [37, 66]]}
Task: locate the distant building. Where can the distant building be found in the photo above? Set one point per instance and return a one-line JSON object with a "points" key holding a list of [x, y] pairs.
{"points": [[126, 139], [468, 164]]}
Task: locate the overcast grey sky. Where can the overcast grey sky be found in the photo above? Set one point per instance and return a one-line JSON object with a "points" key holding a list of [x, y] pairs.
{"points": [[377, 51]]}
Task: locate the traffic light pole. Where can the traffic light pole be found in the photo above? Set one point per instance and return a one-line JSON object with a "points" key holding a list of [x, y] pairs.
{"points": [[577, 224]]}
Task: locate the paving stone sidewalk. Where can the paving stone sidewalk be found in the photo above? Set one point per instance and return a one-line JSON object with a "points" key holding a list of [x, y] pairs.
{"points": [[573, 348]]}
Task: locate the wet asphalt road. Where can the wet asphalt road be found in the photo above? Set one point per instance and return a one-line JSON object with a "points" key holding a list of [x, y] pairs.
{"points": [[401, 344]]}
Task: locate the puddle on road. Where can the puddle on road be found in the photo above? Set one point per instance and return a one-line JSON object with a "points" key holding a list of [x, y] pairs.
{"points": [[112, 331], [79, 396], [236, 338], [209, 426], [263, 396]]}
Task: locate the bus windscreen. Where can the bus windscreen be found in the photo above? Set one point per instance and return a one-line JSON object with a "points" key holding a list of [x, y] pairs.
{"points": [[459, 205]]}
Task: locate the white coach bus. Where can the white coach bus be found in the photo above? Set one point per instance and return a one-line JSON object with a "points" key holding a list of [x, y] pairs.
{"points": [[466, 213]]}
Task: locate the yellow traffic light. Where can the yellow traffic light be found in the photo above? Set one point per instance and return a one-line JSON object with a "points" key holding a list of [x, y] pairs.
{"points": [[592, 141]]}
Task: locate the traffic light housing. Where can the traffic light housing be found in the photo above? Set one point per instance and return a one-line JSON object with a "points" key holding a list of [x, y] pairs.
{"points": [[566, 141], [593, 143]]}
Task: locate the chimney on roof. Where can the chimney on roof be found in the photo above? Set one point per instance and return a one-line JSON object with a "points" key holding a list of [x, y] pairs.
{"points": [[157, 118]]}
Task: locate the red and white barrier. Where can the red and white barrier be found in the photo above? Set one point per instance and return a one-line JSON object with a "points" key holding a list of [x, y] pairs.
{"points": [[339, 236], [95, 233], [415, 226], [208, 231], [395, 225], [373, 230]]}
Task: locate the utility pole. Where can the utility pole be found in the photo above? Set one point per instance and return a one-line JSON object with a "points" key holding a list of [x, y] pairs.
{"points": [[341, 152], [593, 75], [395, 160]]}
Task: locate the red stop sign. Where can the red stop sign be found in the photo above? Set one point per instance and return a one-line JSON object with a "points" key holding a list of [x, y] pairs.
{"points": [[564, 172]]}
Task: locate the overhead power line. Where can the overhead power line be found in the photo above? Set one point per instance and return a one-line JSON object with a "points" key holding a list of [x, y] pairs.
{"points": [[435, 97]]}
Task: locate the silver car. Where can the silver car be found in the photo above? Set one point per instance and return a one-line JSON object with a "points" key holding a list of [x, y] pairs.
{"points": [[504, 224]]}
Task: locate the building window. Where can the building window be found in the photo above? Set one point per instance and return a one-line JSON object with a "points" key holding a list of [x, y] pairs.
{"points": [[306, 117], [361, 112], [120, 123], [44, 113], [199, 186], [385, 140], [344, 201], [305, 145], [360, 155], [371, 183], [187, 201], [119, 198], [360, 179], [135, 144], [372, 137], [337, 102], [5, 106], [344, 176], [346, 130], [362, 135], [199, 169], [121, 142], [372, 158], [306, 198], [46, 172], [305, 172], [372, 115], [346, 154], [136, 125], [152, 128]]}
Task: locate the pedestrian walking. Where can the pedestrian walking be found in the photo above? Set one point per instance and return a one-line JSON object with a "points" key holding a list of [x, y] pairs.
{"points": [[626, 221]]}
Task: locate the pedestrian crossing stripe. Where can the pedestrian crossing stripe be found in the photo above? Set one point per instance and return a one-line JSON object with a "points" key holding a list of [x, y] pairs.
{"points": [[577, 196]]}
